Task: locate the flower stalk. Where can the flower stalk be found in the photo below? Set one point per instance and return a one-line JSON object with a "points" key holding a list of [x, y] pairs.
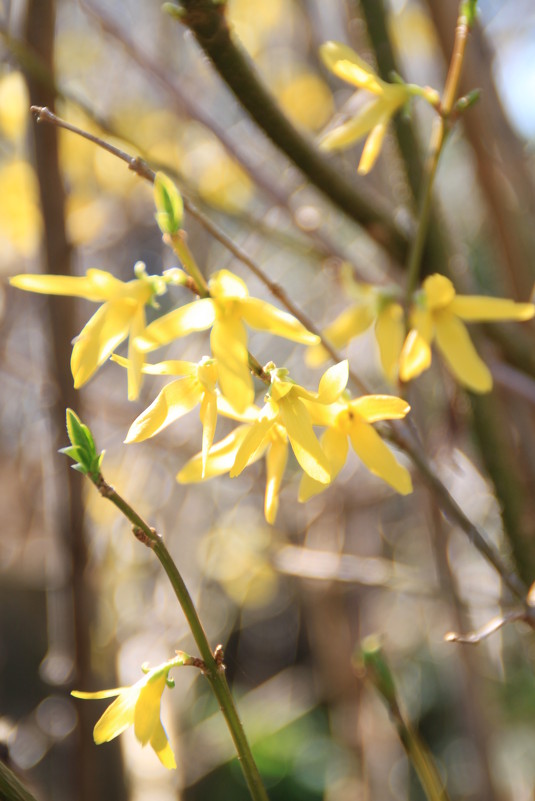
{"points": [[213, 666]]}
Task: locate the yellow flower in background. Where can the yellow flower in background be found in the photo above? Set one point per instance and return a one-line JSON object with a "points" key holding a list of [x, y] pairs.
{"points": [[373, 118], [139, 706], [353, 419], [177, 399], [438, 315], [225, 312], [122, 315], [373, 305], [14, 105]]}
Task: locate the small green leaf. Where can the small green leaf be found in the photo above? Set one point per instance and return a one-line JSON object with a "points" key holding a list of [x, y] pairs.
{"points": [[169, 205], [82, 449]]}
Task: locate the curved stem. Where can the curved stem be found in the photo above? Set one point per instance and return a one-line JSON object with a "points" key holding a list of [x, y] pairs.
{"points": [[214, 670], [438, 139]]}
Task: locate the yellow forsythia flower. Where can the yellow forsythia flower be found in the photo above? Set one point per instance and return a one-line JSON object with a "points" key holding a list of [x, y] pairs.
{"points": [[138, 706], [122, 315], [373, 305], [353, 419], [439, 314], [225, 312], [373, 118], [267, 431], [177, 399]]}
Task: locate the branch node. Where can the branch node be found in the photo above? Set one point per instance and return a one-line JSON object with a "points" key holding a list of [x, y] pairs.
{"points": [[219, 656], [143, 537]]}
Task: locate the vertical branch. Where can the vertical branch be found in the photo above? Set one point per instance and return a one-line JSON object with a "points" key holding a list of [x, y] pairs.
{"points": [[56, 258]]}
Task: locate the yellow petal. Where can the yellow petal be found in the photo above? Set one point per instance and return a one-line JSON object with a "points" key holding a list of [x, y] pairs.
{"points": [[390, 333], [228, 341], [135, 356], [415, 356], [174, 401], [163, 750], [379, 407], [208, 415], [373, 146], [220, 459], [335, 447], [475, 308], [276, 459], [79, 287], [167, 367], [348, 65], [265, 317], [196, 316], [117, 717], [370, 115], [349, 324], [106, 329], [460, 354], [377, 457], [99, 693], [225, 284], [333, 382], [255, 439], [147, 710], [439, 291], [296, 420]]}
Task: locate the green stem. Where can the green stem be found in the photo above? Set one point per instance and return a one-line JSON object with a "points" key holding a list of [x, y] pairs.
{"points": [[10, 787], [214, 670], [180, 247], [438, 139]]}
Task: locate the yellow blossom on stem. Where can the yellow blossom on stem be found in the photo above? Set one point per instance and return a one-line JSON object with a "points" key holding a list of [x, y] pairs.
{"points": [[267, 432], [373, 305], [178, 398], [353, 419], [139, 706], [438, 314], [226, 311], [373, 118], [122, 315]]}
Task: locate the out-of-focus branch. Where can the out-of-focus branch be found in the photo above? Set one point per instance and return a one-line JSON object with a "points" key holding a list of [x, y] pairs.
{"points": [[206, 19]]}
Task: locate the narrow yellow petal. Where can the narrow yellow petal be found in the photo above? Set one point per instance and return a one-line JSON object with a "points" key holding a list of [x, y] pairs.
{"points": [[378, 458], [349, 324], [228, 341], [415, 356], [439, 291], [276, 459], [196, 316], [106, 329], [390, 333], [333, 382], [256, 438], [208, 415], [174, 401], [225, 284], [167, 367], [475, 308], [99, 693], [265, 317], [135, 356], [163, 750], [461, 356], [379, 407], [117, 717], [373, 146], [220, 459], [348, 65], [349, 132], [296, 420], [147, 710], [92, 286], [335, 447]]}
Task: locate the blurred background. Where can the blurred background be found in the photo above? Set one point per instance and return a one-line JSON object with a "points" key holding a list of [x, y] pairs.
{"points": [[82, 603]]}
